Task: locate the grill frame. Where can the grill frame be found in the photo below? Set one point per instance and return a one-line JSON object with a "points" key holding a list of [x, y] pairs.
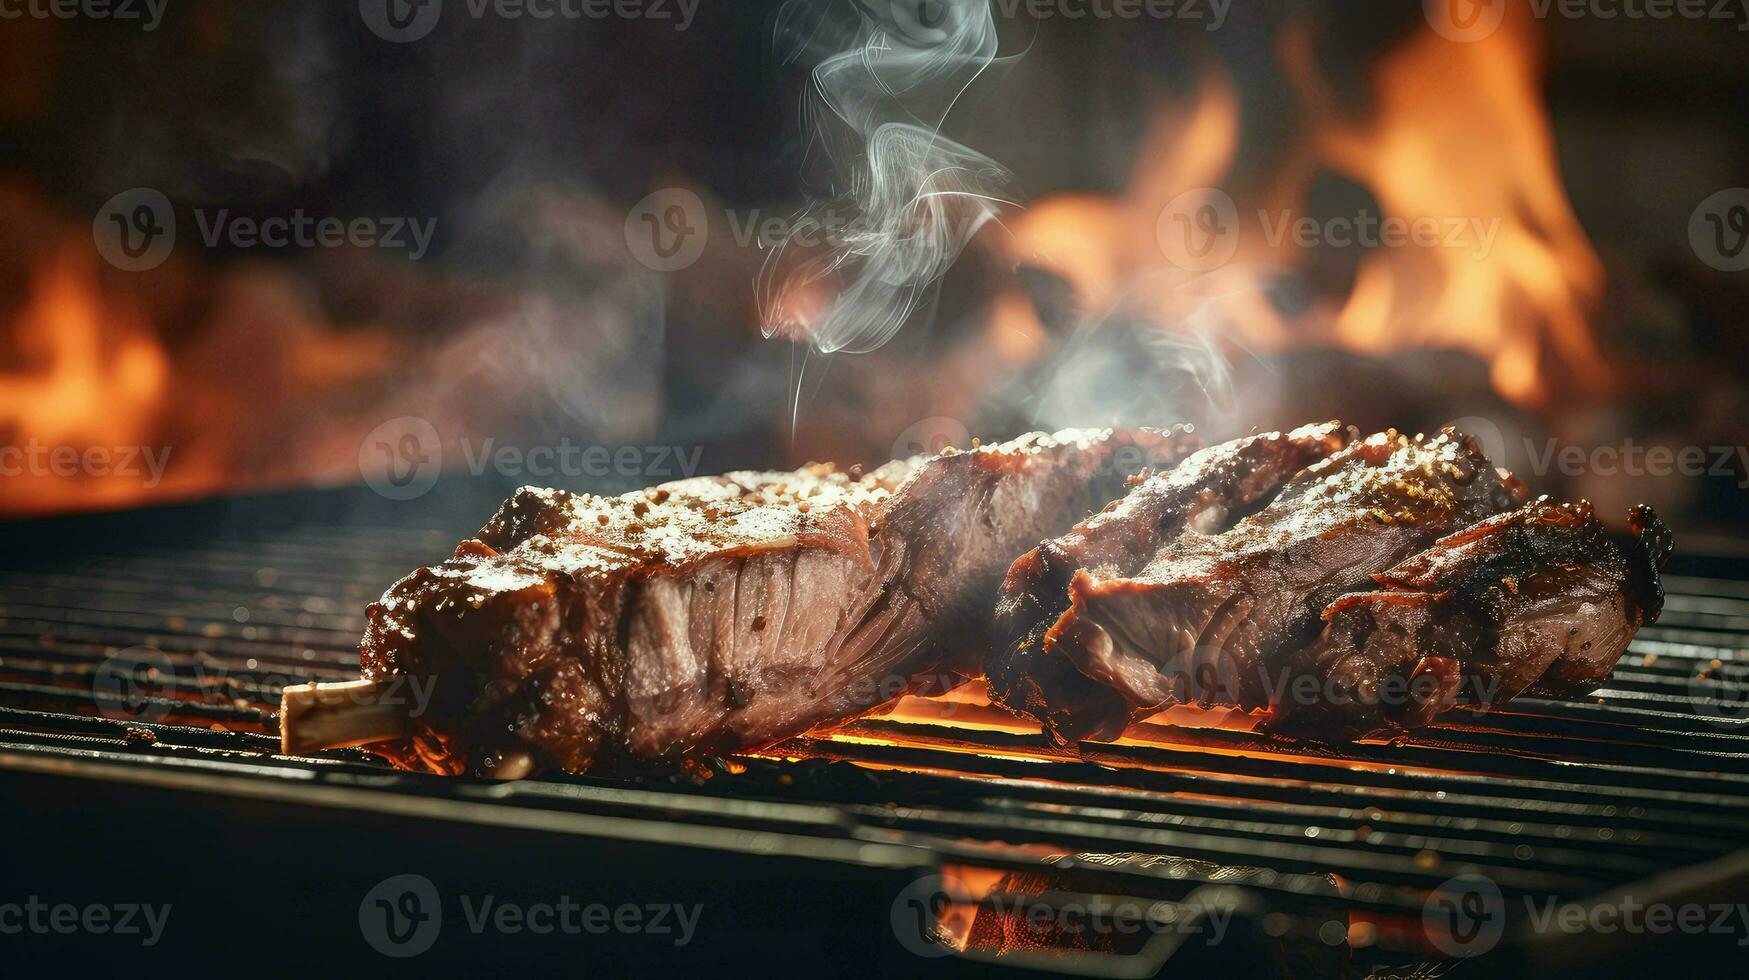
{"points": [[1524, 795]]}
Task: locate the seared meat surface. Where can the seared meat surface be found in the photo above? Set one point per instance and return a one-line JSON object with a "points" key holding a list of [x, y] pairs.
{"points": [[1206, 491], [1347, 585], [1536, 600], [725, 613], [1212, 611]]}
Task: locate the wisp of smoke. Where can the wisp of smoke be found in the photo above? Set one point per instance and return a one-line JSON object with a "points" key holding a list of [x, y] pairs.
{"points": [[890, 71], [1118, 369]]}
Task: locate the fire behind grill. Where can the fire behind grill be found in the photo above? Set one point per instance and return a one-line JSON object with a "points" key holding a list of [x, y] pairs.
{"points": [[141, 658]]}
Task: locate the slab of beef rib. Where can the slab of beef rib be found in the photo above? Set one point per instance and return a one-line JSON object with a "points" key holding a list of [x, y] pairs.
{"points": [[725, 613]]}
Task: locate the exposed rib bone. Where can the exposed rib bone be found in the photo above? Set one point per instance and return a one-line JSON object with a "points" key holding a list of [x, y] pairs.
{"points": [[330, 716]]}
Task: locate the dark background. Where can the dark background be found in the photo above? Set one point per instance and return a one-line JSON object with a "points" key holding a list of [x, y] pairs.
{"points": [[527, 141]]}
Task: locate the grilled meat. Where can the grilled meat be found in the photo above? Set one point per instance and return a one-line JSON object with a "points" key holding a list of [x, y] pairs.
{"points": [[1536, 600], [1210, 613], [1208, 491], [724, 613]]}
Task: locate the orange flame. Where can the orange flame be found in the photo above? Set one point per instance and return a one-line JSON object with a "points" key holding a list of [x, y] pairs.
{"points": [[90, 375], [1460, 130], [1457, 140], [97, 411], [272, 394]]}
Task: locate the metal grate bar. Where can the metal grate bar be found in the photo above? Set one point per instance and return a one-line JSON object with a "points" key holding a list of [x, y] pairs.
{"points": [[1546, 797]]}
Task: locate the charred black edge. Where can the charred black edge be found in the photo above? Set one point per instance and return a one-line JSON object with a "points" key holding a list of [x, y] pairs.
{"points": [[1023, 617], [1323, 724], [1646, 556], [1648, 553]]}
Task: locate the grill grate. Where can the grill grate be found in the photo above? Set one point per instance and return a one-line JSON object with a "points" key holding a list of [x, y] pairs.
{"points": [[1546, 799]]}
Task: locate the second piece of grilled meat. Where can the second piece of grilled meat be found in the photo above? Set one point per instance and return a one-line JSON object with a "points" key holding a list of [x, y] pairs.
{"points": [[1209, 613], [1209, 490], [725, 613], [1538, 600]]}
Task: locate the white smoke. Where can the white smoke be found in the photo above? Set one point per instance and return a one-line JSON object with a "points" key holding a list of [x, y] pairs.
{"points": [[890, 71]]}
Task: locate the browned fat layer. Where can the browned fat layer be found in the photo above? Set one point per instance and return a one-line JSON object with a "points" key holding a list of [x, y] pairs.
{"points": [[679, 524]]}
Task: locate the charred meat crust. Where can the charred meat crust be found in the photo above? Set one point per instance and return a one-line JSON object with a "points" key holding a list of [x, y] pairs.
{"points": [[1209, 489], [1536, 600], [1214, 608], [1650, 552], [521, 628], [725, 613]]}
